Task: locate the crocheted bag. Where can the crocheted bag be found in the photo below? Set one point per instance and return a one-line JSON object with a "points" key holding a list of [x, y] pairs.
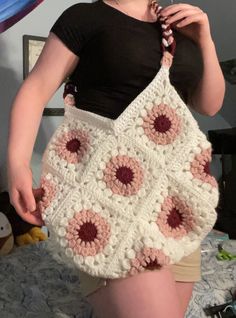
{"points": [[132, 194]]}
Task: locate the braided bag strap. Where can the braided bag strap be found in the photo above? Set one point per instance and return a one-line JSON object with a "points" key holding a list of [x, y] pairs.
{"points": [[69, 93], [168, 43]]}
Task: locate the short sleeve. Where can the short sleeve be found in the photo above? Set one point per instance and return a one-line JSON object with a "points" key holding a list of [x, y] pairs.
{"points": [[72, 27], [187, 69]]}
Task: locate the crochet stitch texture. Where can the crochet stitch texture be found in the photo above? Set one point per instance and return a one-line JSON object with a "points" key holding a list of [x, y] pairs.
{"points": [[132, 194]]}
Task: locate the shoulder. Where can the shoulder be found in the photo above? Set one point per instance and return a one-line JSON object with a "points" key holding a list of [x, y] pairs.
{"points": [[75, 25], [81, 10]]}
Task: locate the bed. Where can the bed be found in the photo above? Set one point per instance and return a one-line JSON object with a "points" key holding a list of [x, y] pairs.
{"points": [[33, 284]]}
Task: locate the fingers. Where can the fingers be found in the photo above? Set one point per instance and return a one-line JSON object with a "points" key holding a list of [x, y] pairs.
{"points": [[28, 199], [174, 8], [38, 193], [180, 15], [36, 218], [16, 201], [191, 19], [176, 12], [19, 201]]}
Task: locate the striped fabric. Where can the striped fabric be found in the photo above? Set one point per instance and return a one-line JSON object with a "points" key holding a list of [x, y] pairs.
{"points": [[12, 11]]}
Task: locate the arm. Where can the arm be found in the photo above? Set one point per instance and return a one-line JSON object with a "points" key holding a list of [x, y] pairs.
{"points": [[48, 74], [192, 22], [55, 63], [208, 97]]}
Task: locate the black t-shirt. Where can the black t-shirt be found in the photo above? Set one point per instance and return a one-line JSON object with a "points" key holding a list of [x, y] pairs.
{"points": [[119, 56]]}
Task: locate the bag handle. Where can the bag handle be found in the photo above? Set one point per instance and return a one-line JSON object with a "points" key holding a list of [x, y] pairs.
{"points": [[168, 42]]}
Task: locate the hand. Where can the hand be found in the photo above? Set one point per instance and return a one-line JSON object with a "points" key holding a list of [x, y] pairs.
{"points": [[22, 196], [189, 20]]}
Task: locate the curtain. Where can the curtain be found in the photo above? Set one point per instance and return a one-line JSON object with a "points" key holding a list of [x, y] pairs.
{"points": [[12, 11]]}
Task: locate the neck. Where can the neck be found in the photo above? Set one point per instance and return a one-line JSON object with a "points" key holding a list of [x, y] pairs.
{"points": [[137, 8], [136, 2]]}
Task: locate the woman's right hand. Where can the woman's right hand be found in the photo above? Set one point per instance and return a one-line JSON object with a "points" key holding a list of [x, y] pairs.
{"points": [[22, 196]]}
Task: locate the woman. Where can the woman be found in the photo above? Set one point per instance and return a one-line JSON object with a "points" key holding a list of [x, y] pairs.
{"points": [[112, 50]]}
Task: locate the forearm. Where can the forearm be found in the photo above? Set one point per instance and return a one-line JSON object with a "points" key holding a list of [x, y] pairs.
{"points": [[26, 114], [54, 64], [209, 95]]}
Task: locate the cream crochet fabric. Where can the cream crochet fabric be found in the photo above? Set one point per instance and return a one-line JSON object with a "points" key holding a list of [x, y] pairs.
{"points": [[131, 194]]}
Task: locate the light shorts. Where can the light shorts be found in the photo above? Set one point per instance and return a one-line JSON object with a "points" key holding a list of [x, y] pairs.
{"points": [[187, 270]]}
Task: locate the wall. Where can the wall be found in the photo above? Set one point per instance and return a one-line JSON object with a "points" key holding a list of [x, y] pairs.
{"points": [[222, 19], [38, 23]]}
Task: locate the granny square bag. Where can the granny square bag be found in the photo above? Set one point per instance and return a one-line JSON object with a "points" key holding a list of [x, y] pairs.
{"points": [[132, 194]]}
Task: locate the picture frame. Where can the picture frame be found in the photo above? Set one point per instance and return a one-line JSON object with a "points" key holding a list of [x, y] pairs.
{"points": [[32, 48]]}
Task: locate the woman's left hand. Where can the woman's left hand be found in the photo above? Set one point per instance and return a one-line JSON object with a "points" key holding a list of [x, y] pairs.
{"points": [[188, 20]]}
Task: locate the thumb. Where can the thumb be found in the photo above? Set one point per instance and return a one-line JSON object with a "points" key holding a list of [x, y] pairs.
{"points": [[28, 198]]}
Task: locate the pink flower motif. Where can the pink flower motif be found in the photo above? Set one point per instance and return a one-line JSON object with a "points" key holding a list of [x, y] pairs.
{"points": [[176, 218], [148, 259], [72, 145], [49, 191], [123, 175], [162, 125], [200, 167], [87, 233]]}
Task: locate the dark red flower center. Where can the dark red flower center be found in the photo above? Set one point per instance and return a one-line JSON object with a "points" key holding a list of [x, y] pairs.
{"points": [[153, 265], [162, 123], [207, 167], [174, 218], [88, 232], [73, 145], [124, 175]]}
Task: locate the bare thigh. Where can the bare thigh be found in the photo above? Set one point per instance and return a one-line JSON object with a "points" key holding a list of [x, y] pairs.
{"points": [[184, 290], [151, 294]]}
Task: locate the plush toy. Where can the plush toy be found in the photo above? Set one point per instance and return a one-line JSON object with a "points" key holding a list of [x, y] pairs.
{"points": [[23, 232], [6, 235]]}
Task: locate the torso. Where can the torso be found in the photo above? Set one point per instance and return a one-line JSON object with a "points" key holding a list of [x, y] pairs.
{"points": [[120, 57]]}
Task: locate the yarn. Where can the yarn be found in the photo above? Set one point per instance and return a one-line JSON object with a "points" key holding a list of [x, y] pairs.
{"points": [[132, 194]]}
